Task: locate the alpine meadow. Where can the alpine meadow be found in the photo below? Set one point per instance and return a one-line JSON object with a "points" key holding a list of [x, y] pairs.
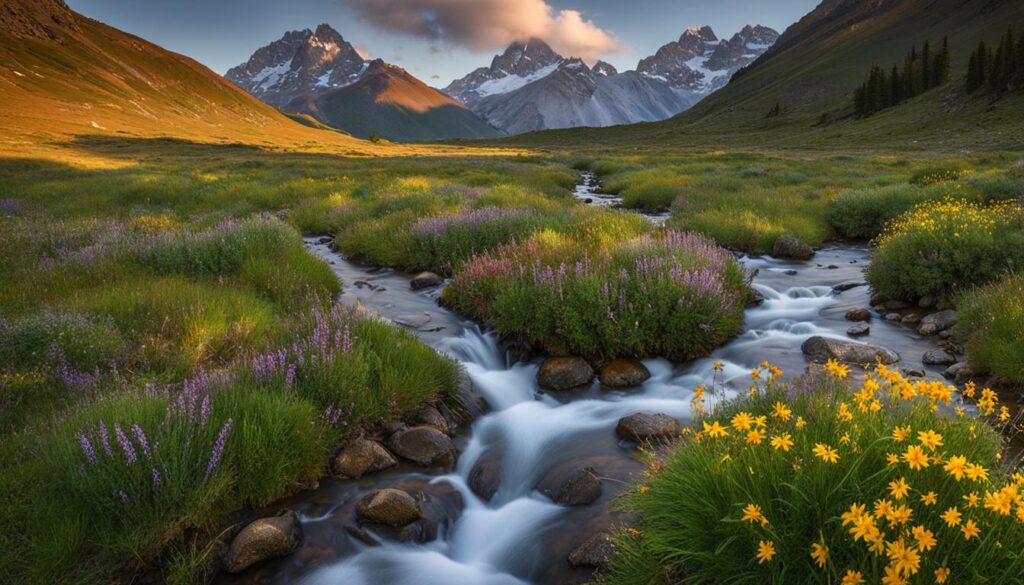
{"points": [[612, 306]]}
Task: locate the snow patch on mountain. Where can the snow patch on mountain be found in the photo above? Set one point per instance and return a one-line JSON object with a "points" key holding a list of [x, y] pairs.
{"points": [[513, 82]]}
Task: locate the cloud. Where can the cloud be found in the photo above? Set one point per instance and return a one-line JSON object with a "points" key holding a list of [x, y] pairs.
{"points": [[490, 24]]}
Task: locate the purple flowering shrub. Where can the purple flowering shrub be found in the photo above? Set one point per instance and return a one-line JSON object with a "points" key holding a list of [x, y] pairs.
{"points": [[59, 341], [676, 295]]}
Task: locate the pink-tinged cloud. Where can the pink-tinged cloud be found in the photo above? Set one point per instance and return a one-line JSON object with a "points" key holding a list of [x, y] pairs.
{"points": [[491, 24]]}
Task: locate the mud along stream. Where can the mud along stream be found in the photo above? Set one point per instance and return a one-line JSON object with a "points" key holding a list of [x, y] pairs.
{"points": [[531, 441]]}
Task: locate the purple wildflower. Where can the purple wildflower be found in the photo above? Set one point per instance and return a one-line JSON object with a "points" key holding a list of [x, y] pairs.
{"points": [[218, 448], [126, 444], [124, 497], [90, 454], [105, 439], [204, 411], [140, 437], [157, 478]]}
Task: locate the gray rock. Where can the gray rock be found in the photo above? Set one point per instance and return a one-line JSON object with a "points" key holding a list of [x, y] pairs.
{"points": [[859, 330], [893, 317], [431, 417], [927, 302], [564, 373], [594, 552], [849, 284], [909, 373], [790, 272], [938, 357], [895, 305], [264, 539], [756, 298], [425, 280], [389, 507], [858, 315], [485, 478], [936, 322], [824, 348], [623, 373], [583, 487], [647, 426], [958, 371], [911, 318], [877, 299], [792, 247], [360, 457], [423, 445]]}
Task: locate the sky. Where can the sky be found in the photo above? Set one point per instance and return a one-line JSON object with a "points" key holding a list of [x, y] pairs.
{"points": [[436, 40]]}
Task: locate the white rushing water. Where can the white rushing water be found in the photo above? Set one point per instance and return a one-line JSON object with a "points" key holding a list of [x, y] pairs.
{"points": [[502, 541]]}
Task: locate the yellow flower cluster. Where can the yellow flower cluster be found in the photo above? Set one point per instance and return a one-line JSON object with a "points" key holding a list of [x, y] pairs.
{"points": [[950, 219], [904, 527]]}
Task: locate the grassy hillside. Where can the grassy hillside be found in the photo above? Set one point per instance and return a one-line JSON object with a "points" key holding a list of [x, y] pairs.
{"points": [[814, 69]]}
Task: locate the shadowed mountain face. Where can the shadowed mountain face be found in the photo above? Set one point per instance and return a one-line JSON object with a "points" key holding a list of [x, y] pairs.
{"points": [[62, 75], [389, 102], [320, 74], [530, 87]]}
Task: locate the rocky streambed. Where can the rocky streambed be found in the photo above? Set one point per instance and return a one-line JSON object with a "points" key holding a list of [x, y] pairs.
{"points": [[525, 492]]}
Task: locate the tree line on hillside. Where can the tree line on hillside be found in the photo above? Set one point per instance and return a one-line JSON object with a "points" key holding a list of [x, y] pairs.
{"points": [[920, 72], [998, 71]]}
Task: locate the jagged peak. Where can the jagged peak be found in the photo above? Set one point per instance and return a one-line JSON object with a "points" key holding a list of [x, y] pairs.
{"points": [[704, 33]]}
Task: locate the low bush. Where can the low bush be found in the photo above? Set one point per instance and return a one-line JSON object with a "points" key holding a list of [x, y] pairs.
{"points": [[864, 213], [649, 189], [934, 175], [818, 482], [945, 246], [674, 295], [49, 339], [992, 319]]}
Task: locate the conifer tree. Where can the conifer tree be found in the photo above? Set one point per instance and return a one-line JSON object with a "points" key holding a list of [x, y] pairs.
{"points": [[926, 73], [943, 63], [895, 86], [974, 76]]}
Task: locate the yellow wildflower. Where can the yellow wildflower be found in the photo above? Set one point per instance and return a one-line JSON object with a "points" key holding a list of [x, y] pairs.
{"points": [[915, 457], [765, 551], [941, 575], [852, 578], [783, 442], [782, 412], [930, 439], [951, 517], [929, 499], [752, 513], [800, 422], [970, 530], [825, 453], [901, 434], [899, 488], [924, 537], [836, 369], [715, 429], [955, 466], [742, 421], [819, 553], [755, 437]]}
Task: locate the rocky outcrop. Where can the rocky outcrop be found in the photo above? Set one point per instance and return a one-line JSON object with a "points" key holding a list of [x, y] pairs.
{"points": [[360, 457], [646, 427], [424, 446], [264, 539], [824, 348], [564, 373], [792, 247], [390, 507], [623, 373]]}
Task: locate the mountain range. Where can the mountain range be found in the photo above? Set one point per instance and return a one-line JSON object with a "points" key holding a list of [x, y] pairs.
{"points": [[528, 87]]}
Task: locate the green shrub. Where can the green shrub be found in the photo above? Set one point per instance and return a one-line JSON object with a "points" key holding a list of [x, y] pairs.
{"points": [[937, 174], [650, 189], [84, 341], [220, 250], [992, 319], [864, 213], [801, 469], [945, 246], [677, 295]]}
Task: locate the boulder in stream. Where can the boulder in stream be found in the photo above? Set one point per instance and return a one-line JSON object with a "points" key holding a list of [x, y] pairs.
{"points": [[581, 488], [938, 357], [389, 507], [623, 373], [859, 330], [425, 280], [360, 457], [792, 247], [647, 426], [594, 552], [564, 373], [264, 539], [485, 478], [937, 322], [822, 349], [858, 315], [423, 445]]}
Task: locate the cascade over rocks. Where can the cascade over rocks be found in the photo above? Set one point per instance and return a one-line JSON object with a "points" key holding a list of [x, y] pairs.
{"points": [[647, 426], [564, 373], [824, 348], [264, 539], [485, 478]]}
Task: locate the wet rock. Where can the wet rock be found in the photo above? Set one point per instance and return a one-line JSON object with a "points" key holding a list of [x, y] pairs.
{"points": [[893, 317], [792, 247], [958, 371], [325, 240], [647, 426], [824, 348], [360, 457], [264, 539], [623, 373], [909, 373], [425, 280], [418, 321], [564, 373], [756, 298], [895, 305], [945, 334], [912, 318], [790, 272], [594, 552], [485, 478], [423, 445], [832, 267], [859, 330], [858, 315], [877, 299], [389, 507], [583, 487], [927, 302], [361, 535], [938, 357], [937, 322], [431, 417], [849, 284]]}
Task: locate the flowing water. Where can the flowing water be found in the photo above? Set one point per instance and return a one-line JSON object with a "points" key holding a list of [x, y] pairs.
{"points": [[538, 439]]}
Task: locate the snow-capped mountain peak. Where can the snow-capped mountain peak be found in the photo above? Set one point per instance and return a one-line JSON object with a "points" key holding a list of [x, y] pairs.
{"points": [[522, 63], [299, 63]]}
